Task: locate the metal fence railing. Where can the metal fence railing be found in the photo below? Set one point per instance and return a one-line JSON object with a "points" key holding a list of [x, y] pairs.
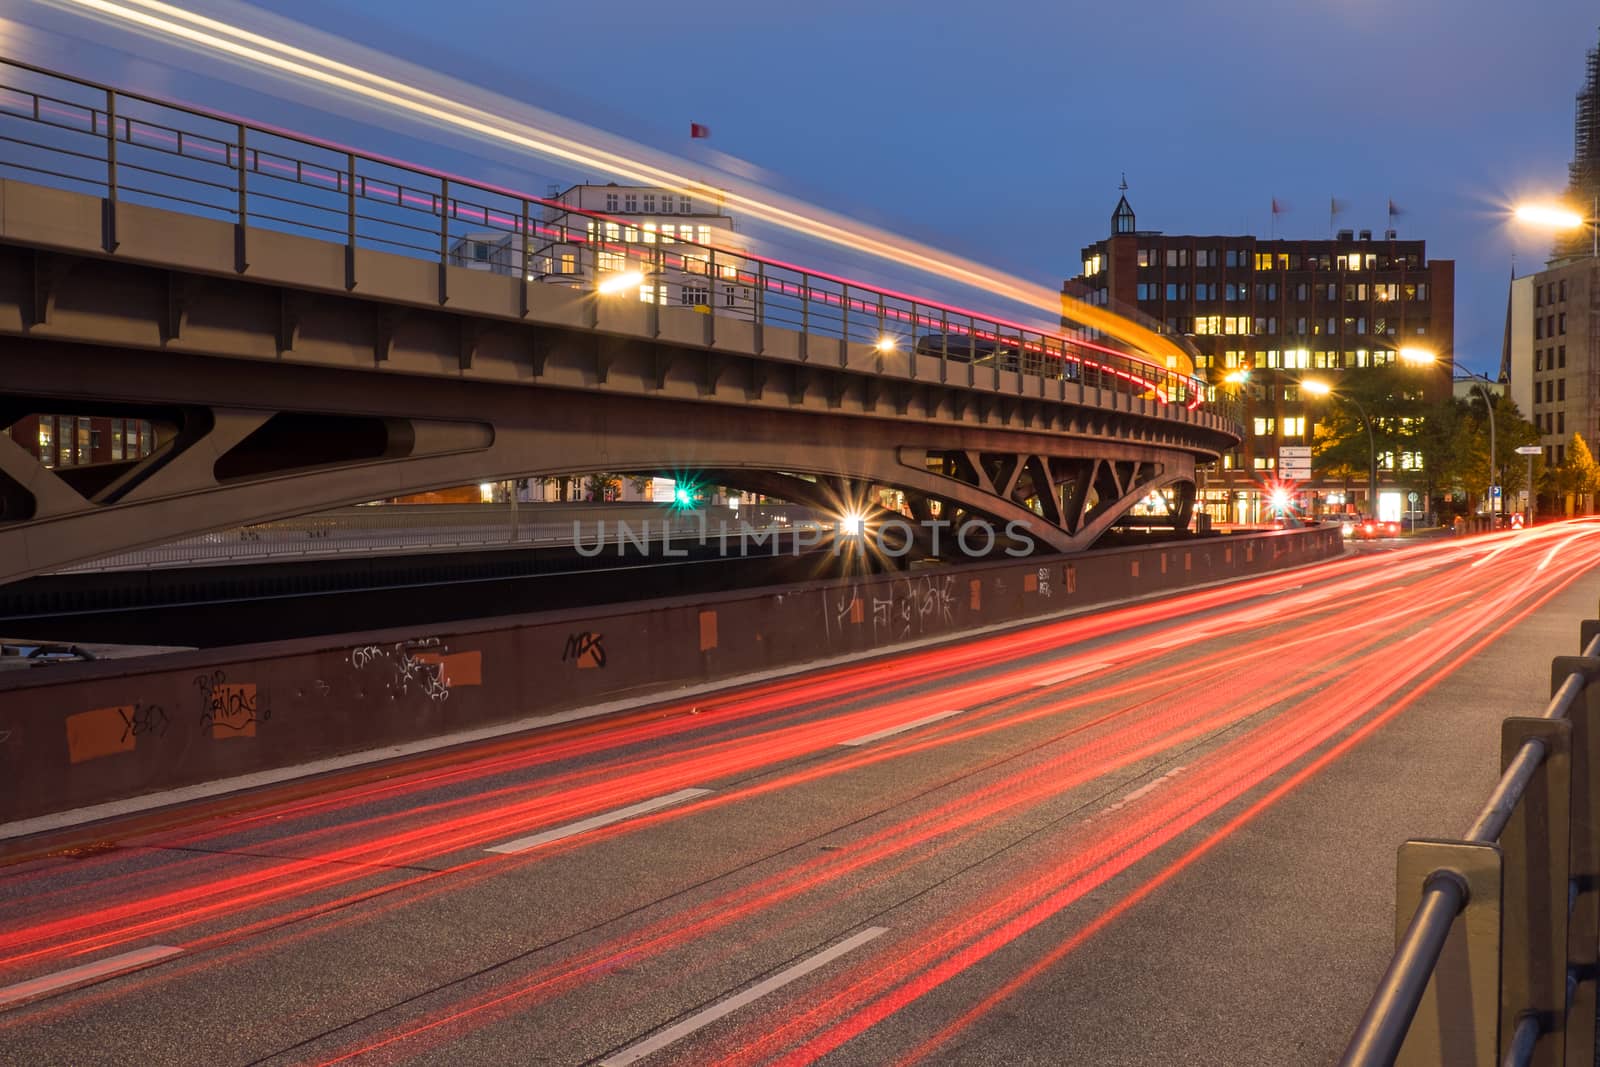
{"points": [[129, 148], [1498, 932]]}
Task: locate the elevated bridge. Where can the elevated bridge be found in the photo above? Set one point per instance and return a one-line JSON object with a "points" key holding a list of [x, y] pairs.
{"points": [[300, 323]]}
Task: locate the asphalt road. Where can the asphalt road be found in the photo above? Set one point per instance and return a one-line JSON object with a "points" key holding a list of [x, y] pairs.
{"points": [[1155, 834]]}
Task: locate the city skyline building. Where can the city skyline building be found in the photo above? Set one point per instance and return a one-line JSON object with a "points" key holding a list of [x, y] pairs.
{"points": [[1274, 311]]}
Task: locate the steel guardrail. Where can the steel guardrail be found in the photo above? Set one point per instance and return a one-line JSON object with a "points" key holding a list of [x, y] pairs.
{"points": [[1498, 932]]}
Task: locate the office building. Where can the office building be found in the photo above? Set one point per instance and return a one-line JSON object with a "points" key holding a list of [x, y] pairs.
{"points": [[1278, 310]]}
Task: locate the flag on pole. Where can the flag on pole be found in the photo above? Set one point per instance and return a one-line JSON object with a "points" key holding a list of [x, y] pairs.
{"points": [[1394, 209], [697, 130], [1335, 205], [1278, 207]]}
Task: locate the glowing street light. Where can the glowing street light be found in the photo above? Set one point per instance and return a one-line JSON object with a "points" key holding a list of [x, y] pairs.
{"points": [[887, 344], [1237, 377], [612, 284], [1418, 356], [1557, 217]]}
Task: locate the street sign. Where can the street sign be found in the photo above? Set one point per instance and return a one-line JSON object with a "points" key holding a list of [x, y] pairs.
{"points": [[1529, 450], [1495, 492], [1412, 496], [1294, 461]]}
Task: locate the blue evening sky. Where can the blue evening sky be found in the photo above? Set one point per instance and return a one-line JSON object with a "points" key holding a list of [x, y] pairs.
{"points": [[999, 130]]}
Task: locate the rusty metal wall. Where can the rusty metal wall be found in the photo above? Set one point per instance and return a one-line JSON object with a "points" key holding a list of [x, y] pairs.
{"points": [[84, 734]]}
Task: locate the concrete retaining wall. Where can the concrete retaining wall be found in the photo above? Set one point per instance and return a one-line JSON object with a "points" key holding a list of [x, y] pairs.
{"points": [[83, 734]]}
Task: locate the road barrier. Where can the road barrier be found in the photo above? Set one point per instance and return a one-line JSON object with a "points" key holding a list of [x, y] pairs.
{"points": [[73, 735], [1498, 932]]}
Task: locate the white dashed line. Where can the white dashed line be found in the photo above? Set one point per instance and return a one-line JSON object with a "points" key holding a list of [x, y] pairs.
{"points": [[1071, 672], [88, 972], [594, 822], [700, 1019], [902, 728]]}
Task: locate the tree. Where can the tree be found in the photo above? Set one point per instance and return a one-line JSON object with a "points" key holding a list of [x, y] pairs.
{"points": [[1580, 474], [1341, 445]]}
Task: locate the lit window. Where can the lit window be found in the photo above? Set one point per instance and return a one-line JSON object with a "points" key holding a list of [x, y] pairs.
{"points": [[1208, 324], [1147, 257], [652, 294], [1263, 261], [612, 262], [569, 263], [649, 233], [613, 231], [703, 234], [1294, 426], [47, 440], [1264, 426]]}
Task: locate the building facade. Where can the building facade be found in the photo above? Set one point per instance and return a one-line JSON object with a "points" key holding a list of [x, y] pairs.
{"points": [[1555, 353], [1275, 311], [63, 441], [579, 251]]}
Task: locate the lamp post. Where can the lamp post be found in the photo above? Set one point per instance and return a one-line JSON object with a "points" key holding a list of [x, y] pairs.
{"points": [[1316, 388], [1416, 357], [1481, 383], [1530, 451]]}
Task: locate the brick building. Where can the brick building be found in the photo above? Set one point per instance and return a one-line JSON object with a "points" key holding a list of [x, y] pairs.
{"points": [[1279, 310]]}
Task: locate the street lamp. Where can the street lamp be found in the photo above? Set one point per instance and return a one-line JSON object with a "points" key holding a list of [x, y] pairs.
{"points": [[1320, 388], [1555, 217], [1482, 383], [621, 282]]}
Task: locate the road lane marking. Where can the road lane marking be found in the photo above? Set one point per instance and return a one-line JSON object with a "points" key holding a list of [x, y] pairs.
{"points": [[1143, 790], [88, 972], [594, 822], [1070, 672], [707, 1016], [902, 728]]}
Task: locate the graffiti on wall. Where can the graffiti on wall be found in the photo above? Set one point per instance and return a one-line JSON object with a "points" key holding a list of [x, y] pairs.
{"points": [[230, 709], [585, 648], [908, 608]]}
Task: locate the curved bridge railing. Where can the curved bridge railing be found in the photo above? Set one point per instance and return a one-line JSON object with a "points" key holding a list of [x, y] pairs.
{"points": [[125, 147]]}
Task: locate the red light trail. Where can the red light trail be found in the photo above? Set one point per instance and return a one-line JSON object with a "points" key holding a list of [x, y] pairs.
{"points": [[366, 851]]}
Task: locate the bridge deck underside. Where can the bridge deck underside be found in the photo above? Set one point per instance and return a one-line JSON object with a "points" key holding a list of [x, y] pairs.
{"points": [[278, 393]]}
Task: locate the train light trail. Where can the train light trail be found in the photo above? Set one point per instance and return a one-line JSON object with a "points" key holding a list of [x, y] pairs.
{"points": [[421, 95]]}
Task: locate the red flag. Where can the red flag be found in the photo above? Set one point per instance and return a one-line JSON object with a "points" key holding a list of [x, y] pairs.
{"points": [[1277, 208], [697, 130]]}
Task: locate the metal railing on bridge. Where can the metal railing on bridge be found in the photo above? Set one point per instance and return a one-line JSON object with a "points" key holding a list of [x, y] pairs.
{"points": [[126, 147], [1498, 932]]}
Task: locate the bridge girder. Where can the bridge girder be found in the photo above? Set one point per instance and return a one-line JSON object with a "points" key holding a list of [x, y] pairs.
{"points": [[232, 457]]}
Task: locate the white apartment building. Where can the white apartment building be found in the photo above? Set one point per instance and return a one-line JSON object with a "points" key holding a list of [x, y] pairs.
{"points": [[671, 239]]}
